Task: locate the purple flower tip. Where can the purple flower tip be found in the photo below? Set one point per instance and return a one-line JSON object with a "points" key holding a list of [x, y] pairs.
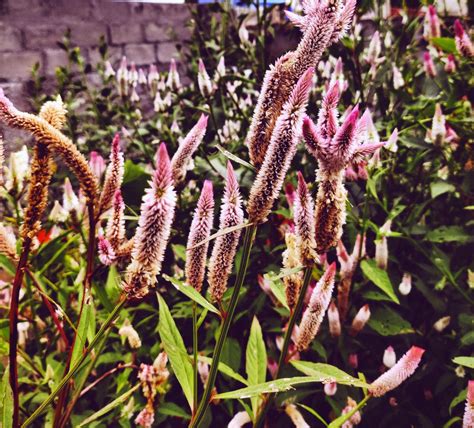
{"points": [[202, 123], [458, 28], [426, 56]]}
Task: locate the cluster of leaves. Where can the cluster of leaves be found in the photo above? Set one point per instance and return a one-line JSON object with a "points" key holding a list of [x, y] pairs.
{"points": [[426, 190]]}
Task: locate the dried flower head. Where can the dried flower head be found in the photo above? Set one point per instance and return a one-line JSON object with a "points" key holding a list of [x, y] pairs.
{"points": [[360, 320], [225, 246], [281, 151], [356, 418], [291, 260], [304, 223], [54, 112], [402, 370], [113, 175], [154, 228], [183, 156], [314, 313], [200, 230]]}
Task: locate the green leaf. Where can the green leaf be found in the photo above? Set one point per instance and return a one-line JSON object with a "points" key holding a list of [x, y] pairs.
{"points": [[327, 373], [171, 409], [447, 44], [338, 422], [191, 293], [256, 360], [464, 361], [379, 277], [439, 187], [387, 322], [83, 328], [133, 172], [277, 288], [460, 398], [314, 413], [112, 405], [449, 234], [7, 264], [6, 401], [278, 385], [174, 347], [225, 369]]}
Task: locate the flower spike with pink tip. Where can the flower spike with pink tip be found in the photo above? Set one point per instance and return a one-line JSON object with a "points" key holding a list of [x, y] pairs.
{"points": [[187, 147], [115, 231], [463, 41], [281, 151], [153, 232], [113, 175], [200, 230], [468, 419], [401, 371], [225, 246]]}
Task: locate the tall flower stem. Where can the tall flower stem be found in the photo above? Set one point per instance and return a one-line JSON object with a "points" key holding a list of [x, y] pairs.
{"points": [[225, 326], [13, 341], [308, 272], [195, 358], [77, 365]]}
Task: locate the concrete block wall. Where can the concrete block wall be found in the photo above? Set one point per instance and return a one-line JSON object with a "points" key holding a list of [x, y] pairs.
{"points": [[30, 30]]}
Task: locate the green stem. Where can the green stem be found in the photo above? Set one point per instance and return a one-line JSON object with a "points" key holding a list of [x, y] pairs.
{"points": [[226, 322], [195, 358], [308, 273], [77, 365]]}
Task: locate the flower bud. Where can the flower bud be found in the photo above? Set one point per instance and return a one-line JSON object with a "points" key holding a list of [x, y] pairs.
{"points": [[360, 320], [389, 357], [405, 285]]}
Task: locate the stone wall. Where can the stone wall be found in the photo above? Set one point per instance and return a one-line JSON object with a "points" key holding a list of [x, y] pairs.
{"points": [[30, 30]]}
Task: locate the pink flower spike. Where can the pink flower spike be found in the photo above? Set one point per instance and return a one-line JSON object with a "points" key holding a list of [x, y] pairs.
{"points": [[468, 419], [429, 65], [200, 230], [360, 320], [186, 149], [314, 141], [113, 175], [97, 164], [450, 66], [327, 116], [401, 371], [106, 252], [343, 144], [115, 231], [463, 41], [290, 194]]}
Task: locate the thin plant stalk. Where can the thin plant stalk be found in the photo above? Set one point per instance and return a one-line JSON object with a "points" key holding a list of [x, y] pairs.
{"points": [[226, 323], [13, 341], [195, 358], [308, 272], [77, 365]]}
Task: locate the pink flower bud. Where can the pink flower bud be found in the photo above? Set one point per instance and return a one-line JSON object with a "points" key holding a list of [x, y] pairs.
{"points": [[113, 175], [204, 81], [173, 81], [70, 200], [389, 357], [450, 66], [334, 322], [431, 27], [428, 65], [360, 320], [405, 285], [239, 420], [395, 376], [106, 252], [97, 164], [330, 388], [122, 77], [353, 361], [272, 366]]}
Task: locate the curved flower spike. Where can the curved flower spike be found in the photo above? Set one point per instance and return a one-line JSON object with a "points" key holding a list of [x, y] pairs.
{"points": [[280, 152], [314, 313], [200, 230], [187, 147], [468, 419], [304, 223], [225, 246], [401, 371], [153, 232], [113, 175]]}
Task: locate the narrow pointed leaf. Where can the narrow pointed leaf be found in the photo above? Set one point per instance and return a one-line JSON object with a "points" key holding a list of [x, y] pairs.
{"points": [[379, 277], [225, 369]]}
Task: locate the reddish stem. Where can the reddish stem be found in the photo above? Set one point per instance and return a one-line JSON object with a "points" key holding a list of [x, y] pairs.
{"points": [[14, 303]]}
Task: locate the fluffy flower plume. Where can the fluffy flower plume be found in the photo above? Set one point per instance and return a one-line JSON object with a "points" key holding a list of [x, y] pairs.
{"points": [[463, 41], [280, 152], [225, 246], [322, 24], [187, 147], [431, 25], [314, 313], [115, 231], [154, 228], [402, 370], [291, 260], [334, 321], [360, 320], [50, 137], [54, 112], [200, 230], [348, 264], [335, 147], [468, 419], [7, 242], [304, 223], [113, 175]]}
